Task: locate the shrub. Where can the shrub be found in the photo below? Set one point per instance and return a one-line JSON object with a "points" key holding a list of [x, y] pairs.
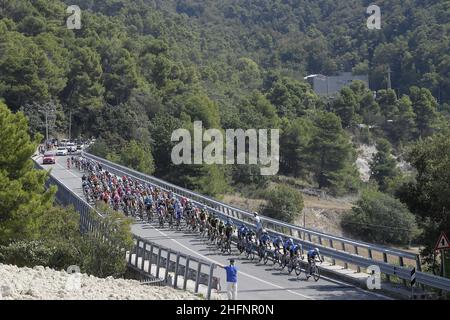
{"points": [[283, 203], [380, 218]]}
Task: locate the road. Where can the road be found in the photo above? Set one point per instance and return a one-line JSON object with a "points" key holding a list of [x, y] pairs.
{"points": [[255, 281]]}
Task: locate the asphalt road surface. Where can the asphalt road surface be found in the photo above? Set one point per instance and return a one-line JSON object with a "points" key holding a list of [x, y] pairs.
{"points": [[255, 281]]}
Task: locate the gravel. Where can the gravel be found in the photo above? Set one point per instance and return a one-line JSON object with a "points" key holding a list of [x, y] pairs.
{"points": [[43, 283]]}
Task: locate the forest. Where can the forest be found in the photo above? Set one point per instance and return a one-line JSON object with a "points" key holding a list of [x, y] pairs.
{"points": [[137, 70]]}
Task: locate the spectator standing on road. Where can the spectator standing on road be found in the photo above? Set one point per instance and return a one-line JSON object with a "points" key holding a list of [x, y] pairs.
{"points": [[232, 271]]}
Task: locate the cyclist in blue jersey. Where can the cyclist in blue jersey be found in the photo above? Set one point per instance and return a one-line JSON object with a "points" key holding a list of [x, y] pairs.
{"points": [[242, 231], [264, 239], [287, 245], [278, 242], [311, 255], [295, 250]]}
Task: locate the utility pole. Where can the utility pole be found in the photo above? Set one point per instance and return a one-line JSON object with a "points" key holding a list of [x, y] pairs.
{"points": [[70, 124], [46, 125], [49, 109]]}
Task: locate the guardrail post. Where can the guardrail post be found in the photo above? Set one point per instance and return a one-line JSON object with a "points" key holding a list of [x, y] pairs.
{"points": [[167, 265], [370, 253], [197, 276], [150, 259], [418, 263], [358, 268], [177, 264], [186, 273], [158, 262], [333, 261], [309, 237], [400, 262], [320, 240], [129, 255], [343, 249], [143, 256], [388, 277], [137, 254], [211, 272]]}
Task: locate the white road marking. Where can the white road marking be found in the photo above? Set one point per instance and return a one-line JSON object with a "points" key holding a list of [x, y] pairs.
{"points": [[67, 170], [240, 272]]}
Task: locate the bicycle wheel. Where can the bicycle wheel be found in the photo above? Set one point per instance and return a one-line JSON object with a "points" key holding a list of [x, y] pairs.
{"points": [[316, 273], [228, 249], [252, 254], [266, 257], [290, 267], [298, 269], [283, 262], [240, 248]]}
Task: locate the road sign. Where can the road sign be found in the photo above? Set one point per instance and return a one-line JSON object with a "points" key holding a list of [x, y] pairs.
{"points": [[413, 276], [442, 243]]}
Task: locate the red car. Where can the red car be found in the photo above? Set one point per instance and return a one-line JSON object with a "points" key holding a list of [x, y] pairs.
{"points": [[49, 158]]}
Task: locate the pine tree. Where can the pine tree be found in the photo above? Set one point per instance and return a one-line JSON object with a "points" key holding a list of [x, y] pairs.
{"points": [[23, 197], [383, 166]]}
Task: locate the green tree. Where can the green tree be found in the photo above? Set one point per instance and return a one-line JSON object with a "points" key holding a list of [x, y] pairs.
{"points": [[345, 106], [428, 196], [22, 194], [330, 150], [424, 105], [138, 157], [283, 203], [380, 218], [383, 165], [294, 141], [105, 257], [404, 121]]}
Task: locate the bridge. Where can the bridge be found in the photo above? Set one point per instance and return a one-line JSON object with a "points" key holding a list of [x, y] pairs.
{"points": [[259, 281]]}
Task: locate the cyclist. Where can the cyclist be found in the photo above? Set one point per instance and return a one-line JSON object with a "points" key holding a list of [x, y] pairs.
{"points": [[312, 254], [264, 239], [178, 213], [148, 201], [202, 217], [68, 163], [264, 242], [213, 223], [278, 243], [295, 250], [287, 245], [221, 228], [249, 240], [228, 230], [242, 231]]}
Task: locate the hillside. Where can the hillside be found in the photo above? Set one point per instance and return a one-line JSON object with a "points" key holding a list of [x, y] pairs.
{"points": [[138, 70]]}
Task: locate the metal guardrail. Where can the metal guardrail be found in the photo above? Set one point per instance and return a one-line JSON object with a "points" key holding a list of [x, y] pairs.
{"points": [[146, 253], [274, 224], [304, 236], [66, 197]]}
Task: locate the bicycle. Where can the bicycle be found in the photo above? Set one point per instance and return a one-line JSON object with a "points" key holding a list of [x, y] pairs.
{"points": [[161, 220], [241, 245], [227, 246], [263, 253], [277, 256], [285, 258], [294, 264], [249, 250], [312, 270]]}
